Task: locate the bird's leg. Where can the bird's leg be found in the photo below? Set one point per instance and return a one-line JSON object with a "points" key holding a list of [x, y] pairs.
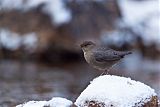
{"points": [[106, 71], [103, 73]]}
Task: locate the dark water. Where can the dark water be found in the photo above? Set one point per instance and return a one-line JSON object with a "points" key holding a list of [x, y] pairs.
{"points": [[25, 81]]}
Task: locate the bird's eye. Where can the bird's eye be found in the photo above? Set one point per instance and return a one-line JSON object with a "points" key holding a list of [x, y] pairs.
{"points": [[86, 45], [89, 44]]}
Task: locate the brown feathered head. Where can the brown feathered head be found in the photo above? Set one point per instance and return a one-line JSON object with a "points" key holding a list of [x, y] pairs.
{"points": [[87, 45]]}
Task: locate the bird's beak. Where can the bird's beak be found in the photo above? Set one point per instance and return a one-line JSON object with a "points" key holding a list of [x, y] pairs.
{"points": [[81, 45]]}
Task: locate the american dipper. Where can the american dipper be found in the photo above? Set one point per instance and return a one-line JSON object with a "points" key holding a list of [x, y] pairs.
{"points": [[101, 57]]}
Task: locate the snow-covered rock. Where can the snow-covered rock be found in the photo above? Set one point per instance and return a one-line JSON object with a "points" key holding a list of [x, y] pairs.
{"points": [[54, 102], [115, 91], [59, 102], [33, 104]]}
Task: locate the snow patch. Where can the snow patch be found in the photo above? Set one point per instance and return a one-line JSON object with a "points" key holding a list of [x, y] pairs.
{"points": [[10, 4], [9, 40], [133, 12], [29, 41], [115, 90], [142, 18], [33, 104], [56, 9], [117, 38], [54, 102], [59, 102], [58, 12], [13, 41]]}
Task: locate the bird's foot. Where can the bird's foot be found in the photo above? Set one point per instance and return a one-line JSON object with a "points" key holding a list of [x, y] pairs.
{"points": [[105, 72]]}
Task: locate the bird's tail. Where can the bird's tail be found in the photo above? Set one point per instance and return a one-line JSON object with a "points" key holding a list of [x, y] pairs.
{"points": [[125, 53]]}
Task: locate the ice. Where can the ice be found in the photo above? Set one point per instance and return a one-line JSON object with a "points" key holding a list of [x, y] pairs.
{"points": [[115, 90]]}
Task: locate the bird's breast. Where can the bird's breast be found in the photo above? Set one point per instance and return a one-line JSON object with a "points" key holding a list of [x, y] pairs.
{"points": [[88, 57], [91, 60]]}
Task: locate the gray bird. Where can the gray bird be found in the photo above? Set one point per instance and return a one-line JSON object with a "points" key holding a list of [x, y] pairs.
{"points": [[101, 57]]}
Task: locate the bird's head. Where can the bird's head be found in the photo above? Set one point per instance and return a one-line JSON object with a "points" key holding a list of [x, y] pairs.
{"points": [[87, 45]]}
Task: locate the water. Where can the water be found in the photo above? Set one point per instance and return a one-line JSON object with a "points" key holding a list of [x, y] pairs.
{"points": [[25, 81]]}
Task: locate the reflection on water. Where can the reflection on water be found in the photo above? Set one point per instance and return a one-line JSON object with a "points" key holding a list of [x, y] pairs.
{"points": [[24, 81]]}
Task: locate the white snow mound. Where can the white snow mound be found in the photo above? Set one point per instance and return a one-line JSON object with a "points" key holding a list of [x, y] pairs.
{"points": [[116, 91], [54, 102]]}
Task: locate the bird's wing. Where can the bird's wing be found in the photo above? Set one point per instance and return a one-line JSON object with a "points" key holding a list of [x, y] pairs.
{"points": [[103, 56]]}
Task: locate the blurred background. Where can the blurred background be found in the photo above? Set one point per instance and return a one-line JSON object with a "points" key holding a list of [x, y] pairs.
{"points": [[40, 56]]}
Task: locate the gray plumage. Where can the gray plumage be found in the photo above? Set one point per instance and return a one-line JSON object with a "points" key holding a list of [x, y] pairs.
{"points": [[108, 55], [101, 57]]}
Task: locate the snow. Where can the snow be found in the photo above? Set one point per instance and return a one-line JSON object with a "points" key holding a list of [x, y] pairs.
{"points": [[33, 104], [141, 17], [117, 38], [59, 102], [29, 41], [151, 31], [13, 41], [11, 4], [115, 90], [134, 12], [56, 9], [58, 12], [9, 40], [54, 102]]}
